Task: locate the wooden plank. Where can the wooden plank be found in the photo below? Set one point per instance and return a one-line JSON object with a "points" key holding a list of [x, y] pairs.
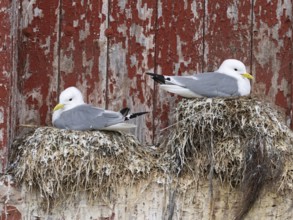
{"points": [[38, 61], [168, 37], [6, 78], [272, 53], [227, 33], [6, 66], [83, 48], [179, 51], [14, 37], [131, 51]]}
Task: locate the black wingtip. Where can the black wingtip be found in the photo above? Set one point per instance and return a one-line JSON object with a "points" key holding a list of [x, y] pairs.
{"points": [[158, 78], [151, 74], [124, 111], [134, 115]]}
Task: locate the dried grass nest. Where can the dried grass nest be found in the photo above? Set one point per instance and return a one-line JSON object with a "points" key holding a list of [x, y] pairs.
{"points": [[240, 141], [225, 134], [59, 163]]}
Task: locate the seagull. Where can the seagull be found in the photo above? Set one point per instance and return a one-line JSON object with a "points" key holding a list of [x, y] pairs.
{"points": [[73, 113], [231, 79]]}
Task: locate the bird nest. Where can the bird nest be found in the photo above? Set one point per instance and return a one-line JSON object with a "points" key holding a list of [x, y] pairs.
{"points": [[59, 163], [239, 141]]}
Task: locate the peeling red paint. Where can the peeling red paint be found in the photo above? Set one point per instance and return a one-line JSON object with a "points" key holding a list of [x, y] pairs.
{"points": [[179, 50], [229, 38], [281, 99], [109, 32], [69, 30], [28, 31], [36, 61], [81, 49], [272, 53], [7, 74], [10, 213], [164, 116], [132, 28], [105, 48], [268, 11]]}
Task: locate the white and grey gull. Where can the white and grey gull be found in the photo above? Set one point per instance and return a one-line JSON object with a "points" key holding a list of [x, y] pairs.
{"points": [[74, 114], [231, 79]]}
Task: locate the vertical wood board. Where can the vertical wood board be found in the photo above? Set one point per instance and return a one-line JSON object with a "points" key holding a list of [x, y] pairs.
{"points": [[83, 48], [273, 53], [179, 51], [131, 48], [38, 61], [6, 76], [105, 48], [227, 33]]}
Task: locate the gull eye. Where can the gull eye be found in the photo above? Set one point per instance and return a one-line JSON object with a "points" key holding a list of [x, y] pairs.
{"points": [[235, 69], [70, 99]]}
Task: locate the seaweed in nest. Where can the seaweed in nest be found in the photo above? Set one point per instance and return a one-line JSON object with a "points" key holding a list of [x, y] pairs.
{"points": [[240, 141], [61, 163]]}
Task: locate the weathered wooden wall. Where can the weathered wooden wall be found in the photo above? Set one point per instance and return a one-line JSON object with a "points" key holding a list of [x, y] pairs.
{"points": [[105, 47], [5, 55], [8, 76]]}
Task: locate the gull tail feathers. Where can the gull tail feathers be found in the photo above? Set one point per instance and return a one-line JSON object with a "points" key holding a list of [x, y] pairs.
{"points": [[124, 126], [134, 115], [158, 78]]}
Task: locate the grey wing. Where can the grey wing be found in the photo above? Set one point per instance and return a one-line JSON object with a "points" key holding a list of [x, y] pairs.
{"points": [[87, 117], [211, 84]]}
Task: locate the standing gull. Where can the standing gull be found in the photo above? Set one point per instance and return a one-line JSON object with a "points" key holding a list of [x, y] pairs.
{"points": [[231, 79], [72, 113]]}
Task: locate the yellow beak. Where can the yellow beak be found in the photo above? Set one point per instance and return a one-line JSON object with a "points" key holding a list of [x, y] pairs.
{"points": [[247, 75], [59, 106]]}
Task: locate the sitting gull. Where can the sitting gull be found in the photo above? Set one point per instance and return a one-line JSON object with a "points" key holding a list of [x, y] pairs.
{"points": [[231, 79], [74, 114]]}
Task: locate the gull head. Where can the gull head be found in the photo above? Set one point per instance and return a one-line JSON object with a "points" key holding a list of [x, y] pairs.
{"points": [[68, 99], [232, 67]]}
